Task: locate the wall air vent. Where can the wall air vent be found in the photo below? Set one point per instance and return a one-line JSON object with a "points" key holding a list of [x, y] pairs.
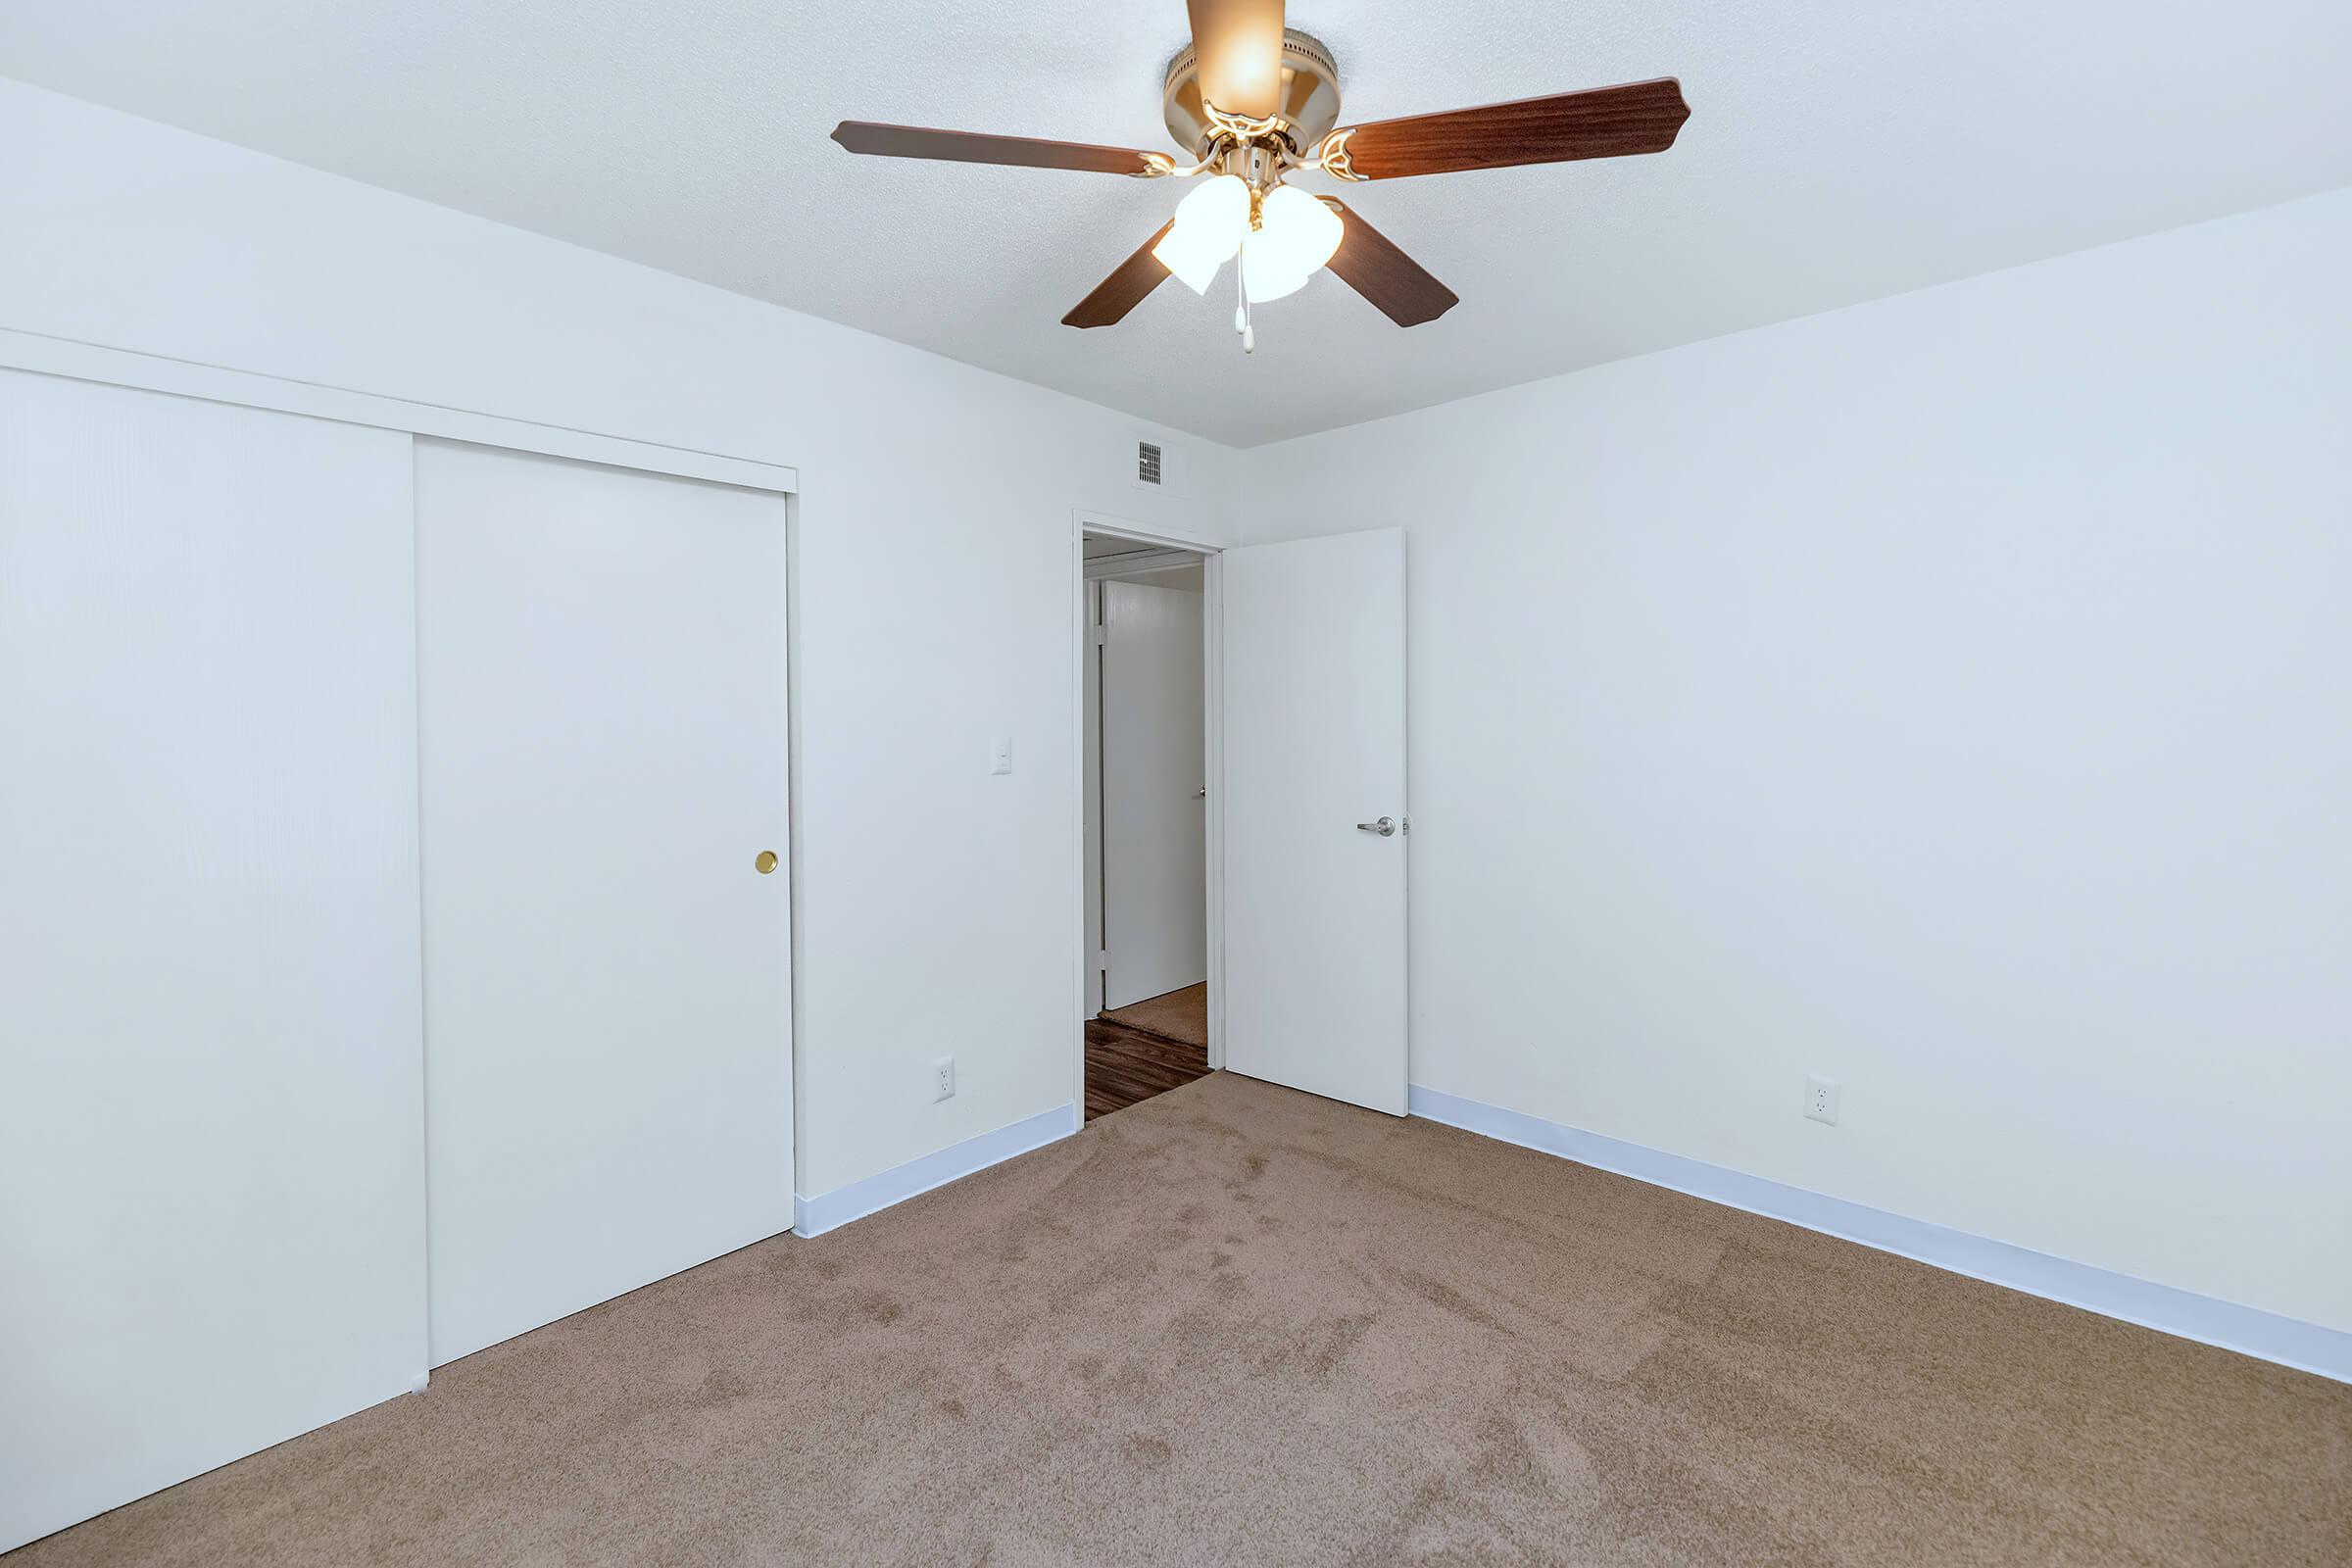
{"points": [[1146, 462]]}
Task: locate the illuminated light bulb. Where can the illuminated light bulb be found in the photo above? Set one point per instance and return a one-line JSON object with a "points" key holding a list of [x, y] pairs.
{"points": [[1208, 230], [1295, 236]]}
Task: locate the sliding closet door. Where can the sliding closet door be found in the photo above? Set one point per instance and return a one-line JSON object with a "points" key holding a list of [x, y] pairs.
{"points": [[212, 1186], [600, 659]]}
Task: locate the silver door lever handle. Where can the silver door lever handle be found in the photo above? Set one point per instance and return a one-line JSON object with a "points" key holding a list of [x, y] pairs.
{"points": [[1386, 827]]}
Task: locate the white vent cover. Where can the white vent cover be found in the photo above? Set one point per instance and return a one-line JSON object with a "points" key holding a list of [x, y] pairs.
{"points": [[1146, 462]]}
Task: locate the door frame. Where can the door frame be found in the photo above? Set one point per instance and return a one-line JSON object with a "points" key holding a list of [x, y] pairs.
{"points": [[1213, 720]]}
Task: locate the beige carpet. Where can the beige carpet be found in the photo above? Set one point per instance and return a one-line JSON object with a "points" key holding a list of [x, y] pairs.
{"points": [[1177, 1014], [1240, 1325]]}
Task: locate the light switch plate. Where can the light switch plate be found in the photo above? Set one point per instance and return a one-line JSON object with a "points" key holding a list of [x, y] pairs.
{"points": [[999, 754]]}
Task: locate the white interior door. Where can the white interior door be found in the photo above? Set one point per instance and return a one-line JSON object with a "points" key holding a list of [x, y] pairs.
{"points": [[1314, 904], [212, 1185], [1154, 839], [602, 698], [1091, 786]]}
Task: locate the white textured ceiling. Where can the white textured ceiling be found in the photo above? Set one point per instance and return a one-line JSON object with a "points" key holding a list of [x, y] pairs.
{"points": [[1838, 150]]}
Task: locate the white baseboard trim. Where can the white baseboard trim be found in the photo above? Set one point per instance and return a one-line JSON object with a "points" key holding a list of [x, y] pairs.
{"points": [[2250, 1331], [813, 1217]]}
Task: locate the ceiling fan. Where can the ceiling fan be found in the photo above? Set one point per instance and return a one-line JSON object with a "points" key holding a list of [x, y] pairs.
{"points": [[1252, 101]]}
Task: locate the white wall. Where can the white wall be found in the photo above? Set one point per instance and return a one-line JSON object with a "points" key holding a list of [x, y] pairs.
{"points": [[1947, 694], [933, 608]]}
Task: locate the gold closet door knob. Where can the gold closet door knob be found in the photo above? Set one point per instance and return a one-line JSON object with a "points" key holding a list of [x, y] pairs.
{"points": [[765, 861]]}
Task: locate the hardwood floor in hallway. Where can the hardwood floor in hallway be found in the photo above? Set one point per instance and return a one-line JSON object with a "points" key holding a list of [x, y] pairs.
{"points": [[1124, 1066]]}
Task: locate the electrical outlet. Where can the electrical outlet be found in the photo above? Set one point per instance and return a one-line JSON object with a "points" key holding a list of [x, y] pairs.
{"points": [[942, 1079], [1820, 1099]]}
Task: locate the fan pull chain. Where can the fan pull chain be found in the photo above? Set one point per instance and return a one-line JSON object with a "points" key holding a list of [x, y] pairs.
{"points": [[1241, 312]]}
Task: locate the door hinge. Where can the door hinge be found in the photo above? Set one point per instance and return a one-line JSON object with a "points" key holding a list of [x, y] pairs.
{"points": [[1102, 634]]}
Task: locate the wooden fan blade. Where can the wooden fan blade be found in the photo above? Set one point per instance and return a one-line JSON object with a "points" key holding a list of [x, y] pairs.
{"points": [[964, 147], [1238, 47], [1124, 290], [1641, 117], [1368, 262]]}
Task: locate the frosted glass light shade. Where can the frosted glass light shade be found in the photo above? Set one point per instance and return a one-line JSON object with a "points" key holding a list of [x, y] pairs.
{"points": [[1266, 271], [1295, 236], [1208, 230], [1304, 230]]}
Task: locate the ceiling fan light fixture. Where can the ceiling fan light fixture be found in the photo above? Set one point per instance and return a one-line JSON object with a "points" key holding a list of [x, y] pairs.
{"points": [[1209, 224], [1252, 100]]}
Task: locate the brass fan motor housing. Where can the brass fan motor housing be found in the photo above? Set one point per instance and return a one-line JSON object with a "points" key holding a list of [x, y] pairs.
{"points": [[1310, 98]]}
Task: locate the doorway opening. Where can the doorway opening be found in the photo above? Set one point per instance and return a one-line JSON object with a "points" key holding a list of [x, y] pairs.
{"points": [[1146, 962]]}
